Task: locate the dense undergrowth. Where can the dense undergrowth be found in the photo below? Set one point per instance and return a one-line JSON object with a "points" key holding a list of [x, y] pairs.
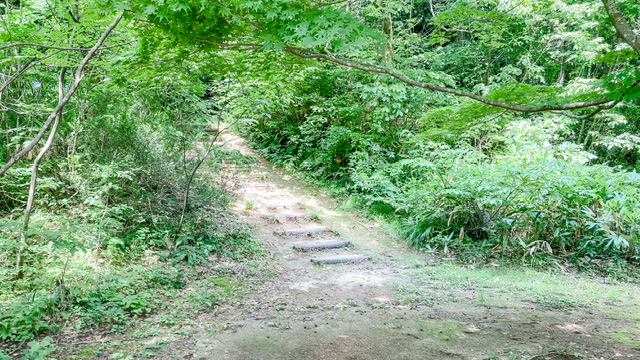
{"points": [[112, 239], [464, 178]]}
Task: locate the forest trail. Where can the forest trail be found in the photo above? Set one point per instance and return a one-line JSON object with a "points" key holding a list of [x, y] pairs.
{"points": [[400, 304]]}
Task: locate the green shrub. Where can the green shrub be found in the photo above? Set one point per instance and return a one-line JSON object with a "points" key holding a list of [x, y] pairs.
{"points": [[26, 317], [535, 199]]}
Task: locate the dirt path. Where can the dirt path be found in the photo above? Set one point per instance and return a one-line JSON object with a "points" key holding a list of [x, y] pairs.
{"points": [[400, 304]]}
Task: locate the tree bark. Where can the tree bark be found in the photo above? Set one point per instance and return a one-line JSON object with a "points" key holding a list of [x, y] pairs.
{"points": [[387, 28], [623, 28]]}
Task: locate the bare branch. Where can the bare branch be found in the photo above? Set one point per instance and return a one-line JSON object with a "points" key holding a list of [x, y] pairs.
{"points": [[236, 46], [599, 108], [321, 4], [77, 80], [61, 47], [591, 114], [34, 177], [354, 64]]}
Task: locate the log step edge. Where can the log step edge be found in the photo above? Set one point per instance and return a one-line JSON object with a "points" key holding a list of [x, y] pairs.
{"points": [[260, 184], [286, 216], [248, 176], [339, 260], [303, 231], [326, 245]]}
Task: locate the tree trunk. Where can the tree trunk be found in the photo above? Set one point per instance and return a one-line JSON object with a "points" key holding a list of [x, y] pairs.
{"points": [[561, 75], [623, 28], [34, 178], [387, 28]]}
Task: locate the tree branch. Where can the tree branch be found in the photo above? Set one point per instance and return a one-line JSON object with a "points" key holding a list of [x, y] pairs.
{"points": [[321, 4], [61, 47], [33, 184], [591, 114], [239, 46], [307, 54], [599, 108], [77, 80]]}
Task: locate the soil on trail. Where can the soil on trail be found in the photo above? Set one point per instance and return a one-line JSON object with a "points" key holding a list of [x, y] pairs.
{"points": [[381, 308]]}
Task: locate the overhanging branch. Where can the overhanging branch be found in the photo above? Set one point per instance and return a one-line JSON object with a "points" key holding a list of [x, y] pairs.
{"points": [[62, 47], [307, 54]]}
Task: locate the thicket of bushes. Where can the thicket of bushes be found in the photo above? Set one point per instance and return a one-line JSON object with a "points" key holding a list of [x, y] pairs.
{"points": [[105, 241]]}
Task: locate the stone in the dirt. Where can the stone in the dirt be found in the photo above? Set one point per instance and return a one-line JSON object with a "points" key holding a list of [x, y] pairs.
{"points": [[471, 329]]}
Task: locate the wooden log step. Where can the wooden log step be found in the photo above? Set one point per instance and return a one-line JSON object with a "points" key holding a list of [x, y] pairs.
{"points": [[286, 216], [341, 259], [259, 184], [270, 194], [234, 166], [322, 245], [283, 204], [209, 128], [303, 231], [248, 176]]}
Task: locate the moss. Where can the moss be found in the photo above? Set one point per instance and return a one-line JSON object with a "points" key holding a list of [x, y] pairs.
{"points": [[225, 283], [443, 330], [87, 352], [629, 336]]}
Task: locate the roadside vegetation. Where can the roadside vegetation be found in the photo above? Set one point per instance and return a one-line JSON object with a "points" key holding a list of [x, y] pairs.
{"points": [[127, 218], [454, 175]]}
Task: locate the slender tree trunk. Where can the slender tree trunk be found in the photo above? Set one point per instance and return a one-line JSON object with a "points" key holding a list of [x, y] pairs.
{"points": [[487, 72], [191, 176], [387, 28], [561, 76], [34, 177]]}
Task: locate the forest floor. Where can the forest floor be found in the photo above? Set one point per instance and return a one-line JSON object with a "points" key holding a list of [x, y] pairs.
{"points": [[401, 304]]}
